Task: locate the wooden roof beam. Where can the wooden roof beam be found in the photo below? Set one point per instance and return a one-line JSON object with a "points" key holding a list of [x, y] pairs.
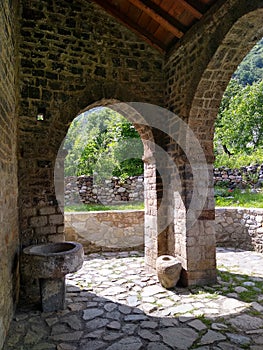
{"points": [[159, 15], [147, 36], [191, 9]]}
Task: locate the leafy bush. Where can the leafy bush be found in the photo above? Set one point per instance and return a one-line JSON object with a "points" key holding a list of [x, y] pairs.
{"points": [[222, 192], [240, 159]]}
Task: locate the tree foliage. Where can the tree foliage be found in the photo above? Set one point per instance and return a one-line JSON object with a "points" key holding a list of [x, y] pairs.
{"points": [[239, 126], [103, 142], [250, 69], [240, 122]]}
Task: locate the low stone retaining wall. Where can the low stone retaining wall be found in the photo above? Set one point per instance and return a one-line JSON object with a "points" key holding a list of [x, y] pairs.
{"points": [[84, 189], [244, 177], [123, 230], [107, 230], [240, 228]]}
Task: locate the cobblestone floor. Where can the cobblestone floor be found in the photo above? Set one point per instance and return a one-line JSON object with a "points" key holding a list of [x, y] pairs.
{"points": [[114, 304]]}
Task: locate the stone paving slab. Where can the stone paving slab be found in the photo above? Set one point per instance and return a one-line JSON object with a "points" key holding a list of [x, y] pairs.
{"points": [[113, 303]]}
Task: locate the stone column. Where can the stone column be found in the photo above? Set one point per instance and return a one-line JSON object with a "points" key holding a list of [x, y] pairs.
{"points": [[59, 178], [150, 222], [194, 234]]}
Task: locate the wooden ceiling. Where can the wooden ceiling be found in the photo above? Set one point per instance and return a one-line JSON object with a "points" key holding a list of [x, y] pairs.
{"points": [[160, 22]]}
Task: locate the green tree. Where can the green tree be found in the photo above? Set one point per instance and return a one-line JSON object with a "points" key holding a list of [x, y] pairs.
{"points": [[250, 69], [104, 142], [240, 122]]}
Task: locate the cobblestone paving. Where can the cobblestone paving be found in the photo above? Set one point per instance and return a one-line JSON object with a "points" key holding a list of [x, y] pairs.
{"points": [[114, 304]]}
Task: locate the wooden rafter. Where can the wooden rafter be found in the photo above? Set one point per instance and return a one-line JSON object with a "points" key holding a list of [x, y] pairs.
{"points": [[147, 36], [161, 23], [191, 9], [159, 15]]}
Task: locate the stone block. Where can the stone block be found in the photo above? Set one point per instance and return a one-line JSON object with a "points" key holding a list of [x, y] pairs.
{"points": [[38, 221], [168, 270], [56, 219]]}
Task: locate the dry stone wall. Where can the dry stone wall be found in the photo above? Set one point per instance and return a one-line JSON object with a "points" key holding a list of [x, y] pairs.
{"points": [[243, 177], [83, 189], [9, 233], [240, 228]]}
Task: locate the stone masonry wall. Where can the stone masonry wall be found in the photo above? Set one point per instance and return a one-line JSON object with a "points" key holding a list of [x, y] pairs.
{"points": [[82, 189], [240, 228], [243, 177], [107, 231], [73, 55], [9, 233], [198, 70]]}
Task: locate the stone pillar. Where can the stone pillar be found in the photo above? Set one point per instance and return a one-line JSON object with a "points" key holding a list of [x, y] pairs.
{"points": [[52, 291], [200, 259], [59, 178], [150, 223], [194, 234]]}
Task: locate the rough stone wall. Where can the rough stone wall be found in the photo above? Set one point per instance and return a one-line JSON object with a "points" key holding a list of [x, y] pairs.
{"points": [[240, 228], [9, 239], [197, 74], [106, 231], [73, 56], [84, 189], [70, 60], [245, 177]]}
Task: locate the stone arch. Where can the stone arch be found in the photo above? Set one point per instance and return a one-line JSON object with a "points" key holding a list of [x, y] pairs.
{"points": [[47, 222], [238, 41], [198, 72], [95, 94], [118, 98]]}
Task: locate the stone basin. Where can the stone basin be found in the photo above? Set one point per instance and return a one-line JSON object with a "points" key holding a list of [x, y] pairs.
{"points": [[54, 260], [50, 263]]}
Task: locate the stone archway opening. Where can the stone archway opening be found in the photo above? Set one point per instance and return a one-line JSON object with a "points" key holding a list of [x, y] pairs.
{"points": [[207, 96], [146, 138], [237, 167]]}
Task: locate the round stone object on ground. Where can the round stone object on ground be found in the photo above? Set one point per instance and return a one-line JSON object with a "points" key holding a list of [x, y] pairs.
{"points": [[168, 270]]}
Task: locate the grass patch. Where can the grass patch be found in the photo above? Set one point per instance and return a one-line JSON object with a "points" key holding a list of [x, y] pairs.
{"points": [[248, 296], [255, 313], [237, 198], [232, 281], [101, 207], [225, 276], [205, 320]]}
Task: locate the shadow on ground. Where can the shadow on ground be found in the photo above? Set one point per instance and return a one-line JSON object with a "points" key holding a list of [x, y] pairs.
{"points": [[113, 304]]}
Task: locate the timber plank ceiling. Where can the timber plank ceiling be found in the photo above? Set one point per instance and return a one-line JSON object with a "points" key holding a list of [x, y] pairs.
{"points": [[160, 22]]}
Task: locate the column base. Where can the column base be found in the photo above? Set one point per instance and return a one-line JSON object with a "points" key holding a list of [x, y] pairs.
{"points": [[52, 292]]}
